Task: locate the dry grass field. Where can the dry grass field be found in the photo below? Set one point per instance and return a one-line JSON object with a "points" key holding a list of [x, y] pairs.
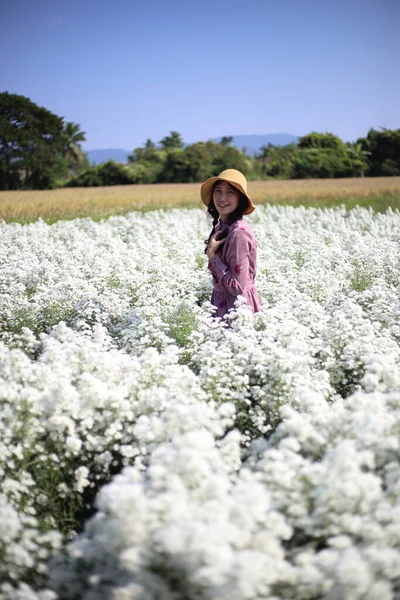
{"points": [[68, 203]]}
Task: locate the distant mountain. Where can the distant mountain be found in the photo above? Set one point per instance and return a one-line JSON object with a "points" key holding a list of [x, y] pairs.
{"points": [[251, 143]]}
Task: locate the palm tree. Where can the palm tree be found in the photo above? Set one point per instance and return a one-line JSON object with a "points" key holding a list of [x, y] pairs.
{"points": [[73, 151]]}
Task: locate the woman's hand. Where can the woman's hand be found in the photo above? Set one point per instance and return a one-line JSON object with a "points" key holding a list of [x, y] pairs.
{"points": [[213, 245]]}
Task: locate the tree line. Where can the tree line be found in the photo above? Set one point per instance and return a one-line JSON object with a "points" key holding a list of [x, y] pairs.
{"points": [[38, 150]]}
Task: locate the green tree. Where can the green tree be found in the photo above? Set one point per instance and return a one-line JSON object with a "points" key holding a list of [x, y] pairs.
{"points": [[148, 162], [73, 137], [148, 152], [326, 141], [384, 148], [114, 173], [73, 153], [322, 155], [359, 157], [149, 146], [175, 168], [89, 177], [32, 144], [173, 141], [229, 157], [226, 140], [137, 155], [313, 163], [277, 161], [108, 173], [190, 165], [151, 154]]}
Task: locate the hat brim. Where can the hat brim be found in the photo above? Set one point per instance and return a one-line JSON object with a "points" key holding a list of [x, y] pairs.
{"points": [[207, 188]]}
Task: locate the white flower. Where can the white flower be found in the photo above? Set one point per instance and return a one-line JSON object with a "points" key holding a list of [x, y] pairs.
{"points": [[261, 459]]}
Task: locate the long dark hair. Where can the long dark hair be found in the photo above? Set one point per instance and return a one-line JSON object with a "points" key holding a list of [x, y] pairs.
{"points": [[234, 216]]}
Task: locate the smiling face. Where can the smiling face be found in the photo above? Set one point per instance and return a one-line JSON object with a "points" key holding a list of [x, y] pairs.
{"points": [[226, 199]]}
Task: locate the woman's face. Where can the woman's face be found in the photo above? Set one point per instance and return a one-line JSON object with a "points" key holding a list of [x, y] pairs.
{"points": [[226, 199]]}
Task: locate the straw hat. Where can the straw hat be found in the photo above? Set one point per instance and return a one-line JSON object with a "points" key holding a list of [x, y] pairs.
{"points": [[232, 176]]}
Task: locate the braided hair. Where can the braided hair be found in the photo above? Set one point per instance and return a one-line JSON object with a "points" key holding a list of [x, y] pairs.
{"points": [[234, 216]]}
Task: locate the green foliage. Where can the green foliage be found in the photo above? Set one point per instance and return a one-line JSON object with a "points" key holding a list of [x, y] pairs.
{"points": [[172, 142], [326, 141], [359, 157], [383, 148], [32, 144], [87, 178], [390, 167], [38, 150], [149, 154], [113, 173], [75, 157], [322, 155], [226, 140], [109, 173], [277, 161], [361, 278], [314, 163], [145, 172], [230, 157], [171, 163], [181, 324], [189, 165]]}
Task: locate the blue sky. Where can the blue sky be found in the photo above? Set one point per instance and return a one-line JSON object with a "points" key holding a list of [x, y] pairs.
{"points": [[128, 70]]}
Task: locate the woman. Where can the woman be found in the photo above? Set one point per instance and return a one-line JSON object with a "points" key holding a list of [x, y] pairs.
{"points": [[231, 247]]}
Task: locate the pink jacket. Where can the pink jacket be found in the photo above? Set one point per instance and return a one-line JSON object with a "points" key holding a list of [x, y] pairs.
{"points": [[234, 268]]}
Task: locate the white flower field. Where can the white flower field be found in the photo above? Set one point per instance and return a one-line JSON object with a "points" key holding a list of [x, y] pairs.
{"points": [[250, 460]]}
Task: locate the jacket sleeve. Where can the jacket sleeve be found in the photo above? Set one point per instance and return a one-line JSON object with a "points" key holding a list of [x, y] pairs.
{"points": [[233, 275]]}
